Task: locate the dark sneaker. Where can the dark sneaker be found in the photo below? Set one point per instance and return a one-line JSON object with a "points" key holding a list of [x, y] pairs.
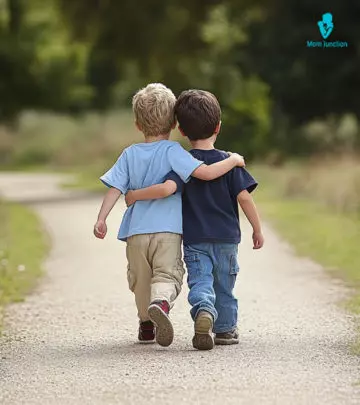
{"points": [[146, 332], [203, 338], [227, 338], [159, 313]]}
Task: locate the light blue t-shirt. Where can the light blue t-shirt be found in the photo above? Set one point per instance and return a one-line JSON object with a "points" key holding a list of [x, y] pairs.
{"points": [[142, 165]]}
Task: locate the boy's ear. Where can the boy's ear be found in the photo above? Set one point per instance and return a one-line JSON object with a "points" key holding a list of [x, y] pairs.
{"points": [[138, 126], [217, 129], [181, 131]]}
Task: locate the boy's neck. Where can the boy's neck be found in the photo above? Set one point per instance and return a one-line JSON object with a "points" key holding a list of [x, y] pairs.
{"points": [[204, 144], [149, 139]]}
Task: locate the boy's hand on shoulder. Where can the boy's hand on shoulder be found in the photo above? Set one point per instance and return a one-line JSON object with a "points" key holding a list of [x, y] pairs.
{"points": [[130, 198], [258, 240], [100, 229], [238, 159]]}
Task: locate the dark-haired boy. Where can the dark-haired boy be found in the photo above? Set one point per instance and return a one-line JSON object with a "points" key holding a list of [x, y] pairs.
{"points": [[211, 232]]}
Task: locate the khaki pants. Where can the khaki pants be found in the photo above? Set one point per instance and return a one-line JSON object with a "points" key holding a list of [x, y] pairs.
{"points": [[155, 269]]}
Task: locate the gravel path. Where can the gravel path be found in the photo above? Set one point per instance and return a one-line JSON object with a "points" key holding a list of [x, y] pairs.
{"points": [[74, 340]]}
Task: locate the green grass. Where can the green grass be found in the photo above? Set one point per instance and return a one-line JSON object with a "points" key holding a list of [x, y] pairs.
{"points": [[330, 238], [23, 246]]}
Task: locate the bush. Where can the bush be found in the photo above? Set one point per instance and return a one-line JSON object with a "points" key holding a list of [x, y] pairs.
{"points": [[334, 181]]}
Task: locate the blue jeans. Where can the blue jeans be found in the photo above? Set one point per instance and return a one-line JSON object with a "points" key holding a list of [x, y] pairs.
{"points": [[212, 270]]}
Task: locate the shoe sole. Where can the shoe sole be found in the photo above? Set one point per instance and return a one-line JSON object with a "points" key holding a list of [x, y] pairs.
{"points": [[203, 339], [164, 328], [226, 342], [146, 342]]}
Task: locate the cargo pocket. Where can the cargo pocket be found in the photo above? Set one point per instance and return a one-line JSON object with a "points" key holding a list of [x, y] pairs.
{"points": [[192, 261], [234, 267], [131, 279], [179, 272], [234, 270], [193, 266]]}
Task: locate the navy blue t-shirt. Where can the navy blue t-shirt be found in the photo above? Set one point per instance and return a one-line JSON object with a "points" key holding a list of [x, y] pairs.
{"points": [[210, 208]]}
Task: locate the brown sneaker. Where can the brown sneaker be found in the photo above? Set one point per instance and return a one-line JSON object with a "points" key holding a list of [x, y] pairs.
{"points": [[227, 338], [146, 332], [203, 338]]}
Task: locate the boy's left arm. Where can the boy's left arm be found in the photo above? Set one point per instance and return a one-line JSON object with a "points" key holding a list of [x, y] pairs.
{"points": [[248, 206], [242, 184]]}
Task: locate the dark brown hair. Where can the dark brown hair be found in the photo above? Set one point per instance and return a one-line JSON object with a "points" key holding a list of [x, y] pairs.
{"points": [[198, 113]]}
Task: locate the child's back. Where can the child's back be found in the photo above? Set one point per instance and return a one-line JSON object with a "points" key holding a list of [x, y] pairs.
{"points": [[142, 165], [211, 208]]}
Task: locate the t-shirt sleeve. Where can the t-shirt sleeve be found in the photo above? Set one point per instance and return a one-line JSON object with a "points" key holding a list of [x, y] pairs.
{"points": [[242, 180], [182, 162], [118, 175], [179, 183]]}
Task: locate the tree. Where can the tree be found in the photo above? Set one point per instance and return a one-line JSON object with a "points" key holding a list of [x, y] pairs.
{"points": [[40, 67]]}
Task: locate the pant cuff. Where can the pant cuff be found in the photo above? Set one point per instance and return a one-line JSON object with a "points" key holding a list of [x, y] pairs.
{"points": [[224, 329], [206, 309], [163, 292]]}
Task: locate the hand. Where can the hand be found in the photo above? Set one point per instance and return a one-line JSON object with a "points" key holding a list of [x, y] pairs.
{"points": [[258, 240], [130, 198], [240, 161], [100, 229]]}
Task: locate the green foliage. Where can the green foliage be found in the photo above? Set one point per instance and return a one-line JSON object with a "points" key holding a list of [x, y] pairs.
{"points": [[252, 55], [41, 66], [305, 83], [74, 56]]}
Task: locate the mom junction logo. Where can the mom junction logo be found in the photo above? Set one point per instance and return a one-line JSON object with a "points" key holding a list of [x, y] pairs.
{"points": [[326, 27]]}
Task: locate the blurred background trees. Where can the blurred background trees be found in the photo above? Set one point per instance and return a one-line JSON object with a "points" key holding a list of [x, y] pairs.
{"points": [[279, 97]]}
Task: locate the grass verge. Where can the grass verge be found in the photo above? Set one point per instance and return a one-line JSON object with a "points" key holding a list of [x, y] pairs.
{"points": [[23, 246], [316, 230]]}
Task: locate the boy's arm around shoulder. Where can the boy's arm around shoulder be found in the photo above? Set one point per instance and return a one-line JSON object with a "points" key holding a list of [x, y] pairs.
{"points": [[172, 184], [218, 169], [185, 165], [154, 192]]}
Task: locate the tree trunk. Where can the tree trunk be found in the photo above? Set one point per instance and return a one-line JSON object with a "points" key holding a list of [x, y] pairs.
{"points": [[15, 9]]}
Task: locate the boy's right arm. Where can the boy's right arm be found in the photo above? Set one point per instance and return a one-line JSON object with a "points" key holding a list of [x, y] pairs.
{"points": [[248, 206], [109, 201], [218, 169], [185, 165], [117, 179]]}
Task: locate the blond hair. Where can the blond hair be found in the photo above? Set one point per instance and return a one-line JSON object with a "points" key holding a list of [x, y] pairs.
{"points": [[153, 107]]}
